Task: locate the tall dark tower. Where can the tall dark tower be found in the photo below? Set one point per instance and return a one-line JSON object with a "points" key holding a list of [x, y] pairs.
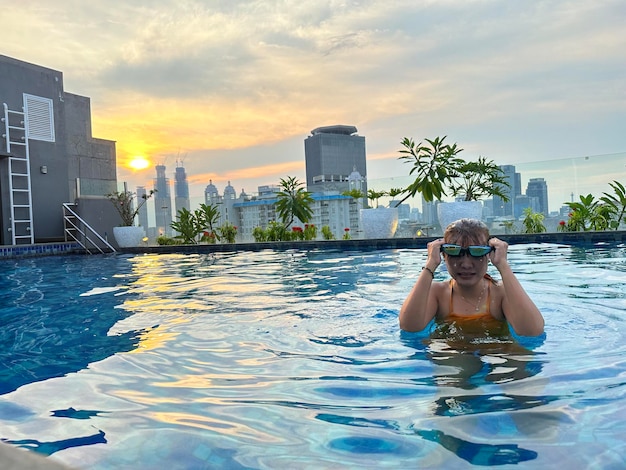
{"points": [[332, 153], [181, 188], [162, 202], [538, 188]]}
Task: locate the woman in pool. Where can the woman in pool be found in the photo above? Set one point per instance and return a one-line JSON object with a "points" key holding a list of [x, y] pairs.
{"points": [[471, 301]]}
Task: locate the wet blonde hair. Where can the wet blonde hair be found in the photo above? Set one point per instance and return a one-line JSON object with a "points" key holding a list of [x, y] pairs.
{"points": [[467, 232]]}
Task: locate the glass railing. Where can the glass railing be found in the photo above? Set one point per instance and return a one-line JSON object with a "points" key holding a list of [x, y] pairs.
{"points": [[87, 187], [566, 180]]}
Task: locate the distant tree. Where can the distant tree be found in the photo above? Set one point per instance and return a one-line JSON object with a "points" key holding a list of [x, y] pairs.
{"points": [[293, 202]]}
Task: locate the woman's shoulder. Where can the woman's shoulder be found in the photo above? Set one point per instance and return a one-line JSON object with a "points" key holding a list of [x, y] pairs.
{"points": [[441, 286], [441, 289]]}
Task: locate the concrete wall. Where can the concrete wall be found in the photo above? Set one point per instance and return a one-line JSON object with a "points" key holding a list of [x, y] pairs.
{"points": [[100, 214], [54, 166]]}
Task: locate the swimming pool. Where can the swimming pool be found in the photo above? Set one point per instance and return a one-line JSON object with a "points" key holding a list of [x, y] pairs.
{"points": [[294, 359]]}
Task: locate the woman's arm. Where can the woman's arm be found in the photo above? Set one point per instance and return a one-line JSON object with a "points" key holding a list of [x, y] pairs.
{"points": [[421, 305], [518, 308]]}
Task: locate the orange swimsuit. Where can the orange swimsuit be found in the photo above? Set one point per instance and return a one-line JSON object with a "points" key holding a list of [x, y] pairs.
{"points": [[480, 326]]}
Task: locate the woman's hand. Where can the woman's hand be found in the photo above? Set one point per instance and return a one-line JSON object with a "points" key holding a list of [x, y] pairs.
{"points": [[499, 253], [434, 253]]}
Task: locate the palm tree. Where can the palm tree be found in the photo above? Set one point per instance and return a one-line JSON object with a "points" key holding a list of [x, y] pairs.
{"points": [[374, 195], [293, 202]]}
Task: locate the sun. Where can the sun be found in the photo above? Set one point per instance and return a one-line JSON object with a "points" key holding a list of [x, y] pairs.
{"points": [[139, 163]]}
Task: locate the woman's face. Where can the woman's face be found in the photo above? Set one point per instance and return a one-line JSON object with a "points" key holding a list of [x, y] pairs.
{"points": [[466, 270]]}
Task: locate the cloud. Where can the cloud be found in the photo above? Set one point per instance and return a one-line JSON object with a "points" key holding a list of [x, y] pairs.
{"points": [[237, 85]]}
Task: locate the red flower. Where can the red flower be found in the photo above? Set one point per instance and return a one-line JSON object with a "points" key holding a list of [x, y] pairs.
{"points": [[347, 229], [562, 223], [206, 234]]}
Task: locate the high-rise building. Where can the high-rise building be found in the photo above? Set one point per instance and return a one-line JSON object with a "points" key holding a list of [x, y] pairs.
{"points": [[142, 215], [538, 188], [162, 202], [181, 189], [500, 207], [331, 154]]}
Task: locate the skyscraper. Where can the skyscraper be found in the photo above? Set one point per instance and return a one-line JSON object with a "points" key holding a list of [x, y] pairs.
{"points": [[181, 188], [162, 202], [332, 153], [538, 188], [501, 208], [142, 215]]}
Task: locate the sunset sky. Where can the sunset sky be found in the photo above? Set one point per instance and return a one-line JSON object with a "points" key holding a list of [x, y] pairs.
{"points": [[232, 88]]}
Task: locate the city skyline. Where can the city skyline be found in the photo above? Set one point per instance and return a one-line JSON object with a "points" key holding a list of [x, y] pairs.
{"points": [[566, 181], [234, 88]]}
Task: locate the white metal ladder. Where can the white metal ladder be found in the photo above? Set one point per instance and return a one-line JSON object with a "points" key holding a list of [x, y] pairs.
{"points": [[16, 138]]}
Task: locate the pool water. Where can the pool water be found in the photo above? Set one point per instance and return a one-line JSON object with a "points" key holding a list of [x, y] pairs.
{"points": [[294, 360]]}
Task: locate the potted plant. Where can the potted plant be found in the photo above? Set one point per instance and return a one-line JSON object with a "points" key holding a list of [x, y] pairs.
{"points": [[469, 182], [127, 234], [392, 193], [439, 172]]}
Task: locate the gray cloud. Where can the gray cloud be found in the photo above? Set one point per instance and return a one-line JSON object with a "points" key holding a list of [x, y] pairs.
{"points": [[509, 79]]}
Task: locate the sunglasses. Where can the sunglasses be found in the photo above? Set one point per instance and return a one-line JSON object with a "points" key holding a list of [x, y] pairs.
{"points": [[476, 251]]}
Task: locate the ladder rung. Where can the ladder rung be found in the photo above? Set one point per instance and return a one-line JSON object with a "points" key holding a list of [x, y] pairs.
{"points": [[21, 206], [17, 190], [15, 112], [21, 128], [21, 221]]}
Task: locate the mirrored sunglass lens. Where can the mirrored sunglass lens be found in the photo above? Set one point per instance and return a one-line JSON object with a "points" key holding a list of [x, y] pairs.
{"points": [[452, 250], [479, 250]]}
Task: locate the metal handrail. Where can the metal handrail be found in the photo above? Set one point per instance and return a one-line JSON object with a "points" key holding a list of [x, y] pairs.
{"points": [[88, 229]]}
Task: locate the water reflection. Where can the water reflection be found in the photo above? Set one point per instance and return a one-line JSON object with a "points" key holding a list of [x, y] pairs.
{"points": [[469, 361], [49, 328], [479, 454], [50, 447]]}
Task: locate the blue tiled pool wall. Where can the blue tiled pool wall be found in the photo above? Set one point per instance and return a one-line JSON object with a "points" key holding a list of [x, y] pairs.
{"points": [[42, 249]]}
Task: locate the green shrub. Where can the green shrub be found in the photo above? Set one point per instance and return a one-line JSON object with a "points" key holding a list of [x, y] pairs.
{"points": [[533, 221], [276, 232], [259, 234], [310, 232], [327, 233], [163, 240], [228, 232]]}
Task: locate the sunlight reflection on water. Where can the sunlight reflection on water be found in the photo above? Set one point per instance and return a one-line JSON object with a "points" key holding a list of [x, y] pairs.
{"points": [[295, 360]]}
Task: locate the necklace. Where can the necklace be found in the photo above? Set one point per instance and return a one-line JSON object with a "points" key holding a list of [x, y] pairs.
{"points": [[480, 298]]}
